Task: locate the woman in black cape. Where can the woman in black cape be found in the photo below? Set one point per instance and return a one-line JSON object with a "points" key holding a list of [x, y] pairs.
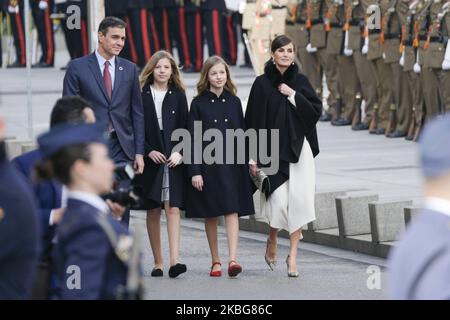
{"points": [[283, 99]]}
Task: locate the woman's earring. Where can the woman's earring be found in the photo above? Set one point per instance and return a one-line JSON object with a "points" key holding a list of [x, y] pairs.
{"points": [[273, 61], [293, 63]]}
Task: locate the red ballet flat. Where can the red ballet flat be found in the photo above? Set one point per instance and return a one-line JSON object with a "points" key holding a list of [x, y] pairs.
{"points": [[215, 273], [234, 270]]}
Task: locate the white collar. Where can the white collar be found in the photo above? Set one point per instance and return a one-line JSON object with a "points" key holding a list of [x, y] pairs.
{"points": [[438, 204], [90, 198], [101, 60]]}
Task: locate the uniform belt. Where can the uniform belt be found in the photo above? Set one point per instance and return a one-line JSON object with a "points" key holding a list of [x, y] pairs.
{"points": [[300, 21], [375, 31], [278, 7], [289, 23], [354, 23], [316, 21], [392, 35], [422, 37], [335, 25], [408, 43], [439, 39]]}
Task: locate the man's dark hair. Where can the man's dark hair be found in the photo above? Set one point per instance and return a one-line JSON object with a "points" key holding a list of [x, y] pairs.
{"points": [[68, 110], [111, 22]]}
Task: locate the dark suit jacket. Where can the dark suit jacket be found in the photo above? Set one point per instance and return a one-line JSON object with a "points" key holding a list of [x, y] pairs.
{"points": [[124, 110], [47, 194], [18, 233]]}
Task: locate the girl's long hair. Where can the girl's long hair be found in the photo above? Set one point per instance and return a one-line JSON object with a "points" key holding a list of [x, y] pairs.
{"points": [[147, 78], [203, 83]]}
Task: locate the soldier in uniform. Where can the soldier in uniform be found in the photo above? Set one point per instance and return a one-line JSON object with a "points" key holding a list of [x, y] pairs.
{"points": [[18, 231], [400, 118], [420, 262], [373, 50], [41, 10], [264, 20], [213, 21], [297, 30], [142, 29], [316, 12], [430, 85], [92, 246], [353, 42], [437, 51], [16, 15], [194, 34], [114, 8], [76, 39], [410, 47]]}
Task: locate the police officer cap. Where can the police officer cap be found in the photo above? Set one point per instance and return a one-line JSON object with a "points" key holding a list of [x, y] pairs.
{"points": [[435, 147], [69, 134]]}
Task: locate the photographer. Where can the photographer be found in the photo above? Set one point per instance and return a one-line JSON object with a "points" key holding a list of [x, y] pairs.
{"points": [[88, 262]]}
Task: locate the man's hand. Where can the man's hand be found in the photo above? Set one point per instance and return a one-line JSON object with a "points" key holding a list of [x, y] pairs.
{"points": [[197, 182], [157, 157], [174, 160], [56, 216], [139, 164], [116, 209]]}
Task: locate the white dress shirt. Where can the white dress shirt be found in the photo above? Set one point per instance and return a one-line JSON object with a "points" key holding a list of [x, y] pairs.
{"points": [[112, 66], [158, 99], [91, 199]]}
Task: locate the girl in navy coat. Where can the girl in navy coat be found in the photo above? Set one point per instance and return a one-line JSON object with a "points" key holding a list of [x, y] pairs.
{"points": [[218, 189], [164, 177]]}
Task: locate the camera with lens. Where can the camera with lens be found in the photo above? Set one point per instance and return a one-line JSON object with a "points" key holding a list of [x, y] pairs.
{"points": [[124, 191]]}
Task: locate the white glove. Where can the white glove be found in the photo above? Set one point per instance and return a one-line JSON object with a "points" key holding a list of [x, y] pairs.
{"points": [[347, 52], [365, 48], [402, 59], [446, 64], [416, 67], [310, 49], [339, 2], [43, 5], [383, 56], [14, 9]]}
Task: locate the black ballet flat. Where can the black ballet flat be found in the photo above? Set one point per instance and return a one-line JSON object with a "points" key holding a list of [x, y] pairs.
{"points": [[177, 269], [156, 272]]}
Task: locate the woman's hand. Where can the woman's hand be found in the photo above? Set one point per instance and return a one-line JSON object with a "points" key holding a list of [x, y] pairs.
{"points": [[253, 169], [286, 90], [174, 160], [197, 182], [157, 157]]}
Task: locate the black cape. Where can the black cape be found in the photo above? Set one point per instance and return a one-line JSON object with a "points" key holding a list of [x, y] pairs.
{"points": [[268, 109]]}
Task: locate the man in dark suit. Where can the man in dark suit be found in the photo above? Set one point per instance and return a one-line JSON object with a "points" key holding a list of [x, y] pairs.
{"points": [[419, 265], [18, 231], [111, 85]]}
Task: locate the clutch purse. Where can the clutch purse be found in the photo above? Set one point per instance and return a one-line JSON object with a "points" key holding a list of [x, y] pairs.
{"points": [[261, 181]]}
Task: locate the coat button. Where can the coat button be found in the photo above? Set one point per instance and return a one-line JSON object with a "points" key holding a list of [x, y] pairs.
{"points": [[215, 120], [223, 100], [173, 112], [148, 92], [212, 100], [170, 92], [226, 120]]}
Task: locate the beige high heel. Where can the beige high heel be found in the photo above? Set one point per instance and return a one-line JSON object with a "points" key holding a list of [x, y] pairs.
{"points": [[271, 263], [291, 274]]}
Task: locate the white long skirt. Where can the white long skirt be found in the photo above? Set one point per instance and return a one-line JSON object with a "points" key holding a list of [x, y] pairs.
{"points": [[291, 206]]}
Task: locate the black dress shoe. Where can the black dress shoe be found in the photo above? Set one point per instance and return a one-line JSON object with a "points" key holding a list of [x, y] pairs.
{"points": [[380, 131], [42, 65], [15, 64], [177, 269], [325, 117], [409, 138], [397, 134], [156, 272], [246, 65], [341, 122], [360, 126]]}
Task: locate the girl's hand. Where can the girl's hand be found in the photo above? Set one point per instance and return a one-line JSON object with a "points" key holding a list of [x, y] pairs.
{"points": [[197, 182], [174, 160], [157, 157]]}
